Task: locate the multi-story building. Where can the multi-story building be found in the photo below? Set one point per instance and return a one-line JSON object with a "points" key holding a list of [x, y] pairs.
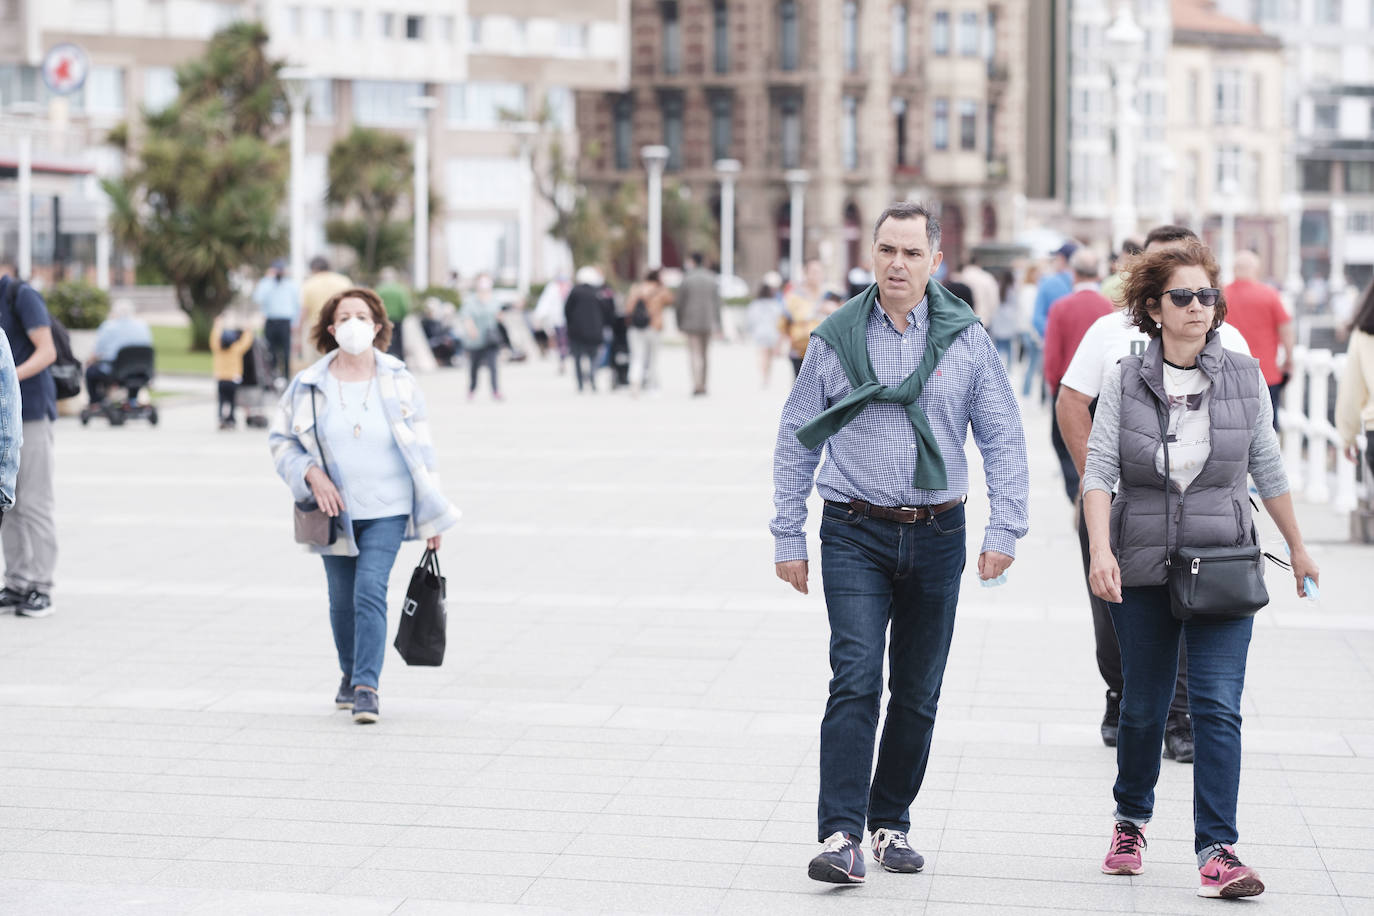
{"points": [[484, 61], [875, 99], [1328, 100], [1226, 130]]}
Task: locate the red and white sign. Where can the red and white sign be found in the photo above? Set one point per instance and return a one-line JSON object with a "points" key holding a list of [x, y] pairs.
{"points": [[65, 67]]}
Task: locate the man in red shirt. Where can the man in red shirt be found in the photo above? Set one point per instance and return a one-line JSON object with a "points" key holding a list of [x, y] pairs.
{"points": [[1070, 318], [1255, 310]]}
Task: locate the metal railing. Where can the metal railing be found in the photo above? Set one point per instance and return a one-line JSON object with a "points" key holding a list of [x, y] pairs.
{"points": [[1313, 452]]}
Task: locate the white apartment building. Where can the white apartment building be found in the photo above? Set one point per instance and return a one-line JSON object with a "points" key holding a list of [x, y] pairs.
{"points": [[482, 60]]}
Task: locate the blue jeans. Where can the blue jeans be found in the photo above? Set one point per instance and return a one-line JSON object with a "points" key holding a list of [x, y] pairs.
{"points": [[1034, 350], [357, 598], [1149, 636], [878, 572]]}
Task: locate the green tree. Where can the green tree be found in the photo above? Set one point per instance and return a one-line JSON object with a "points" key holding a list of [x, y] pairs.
{"points": [[370, 171], [203, 193]]}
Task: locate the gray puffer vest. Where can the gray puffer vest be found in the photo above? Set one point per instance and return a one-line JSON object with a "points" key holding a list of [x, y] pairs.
{"points": [[1215, 509]]}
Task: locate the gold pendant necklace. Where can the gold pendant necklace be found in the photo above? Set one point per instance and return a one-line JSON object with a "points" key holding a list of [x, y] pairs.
{"points": [[357, 427]]}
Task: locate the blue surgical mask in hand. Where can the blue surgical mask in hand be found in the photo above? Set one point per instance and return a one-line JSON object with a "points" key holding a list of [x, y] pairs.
{"points": [[993, 583], [1309, 589]]}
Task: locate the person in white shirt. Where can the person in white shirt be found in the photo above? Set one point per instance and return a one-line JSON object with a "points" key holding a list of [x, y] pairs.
{"points": [[1107, 341]]}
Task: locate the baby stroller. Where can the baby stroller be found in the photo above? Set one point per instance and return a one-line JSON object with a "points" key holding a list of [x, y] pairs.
{"points": [[132, 370], [256, 391]]}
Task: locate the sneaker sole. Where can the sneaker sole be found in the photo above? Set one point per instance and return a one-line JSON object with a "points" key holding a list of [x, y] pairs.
{"points": [[1123, 870], [1247, 886], [340, 704], [365, 718], [830, 874], [902, 870], [46, 612]]}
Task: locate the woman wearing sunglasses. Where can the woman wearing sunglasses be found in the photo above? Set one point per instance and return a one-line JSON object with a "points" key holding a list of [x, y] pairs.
{"points": [[1206, 411]]}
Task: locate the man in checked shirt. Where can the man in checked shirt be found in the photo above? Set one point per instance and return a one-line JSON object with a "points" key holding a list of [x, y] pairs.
{"points": [[892, 382]]}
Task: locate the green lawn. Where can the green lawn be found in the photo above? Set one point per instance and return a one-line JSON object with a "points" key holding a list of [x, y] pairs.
{"points": [[173, 349]]}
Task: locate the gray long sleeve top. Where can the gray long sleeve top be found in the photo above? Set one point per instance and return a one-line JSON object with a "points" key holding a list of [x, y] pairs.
{"points": [[1104, 455]]}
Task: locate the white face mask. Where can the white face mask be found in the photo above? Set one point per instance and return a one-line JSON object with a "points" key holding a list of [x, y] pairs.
{"points": [[355, 335]]}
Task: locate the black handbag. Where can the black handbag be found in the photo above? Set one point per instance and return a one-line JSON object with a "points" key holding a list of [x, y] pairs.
{"points": [[1210, 583], [313, 526], [422, 634]]}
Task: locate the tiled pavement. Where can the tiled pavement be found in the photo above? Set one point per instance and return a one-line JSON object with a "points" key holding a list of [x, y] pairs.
{"points": [[627, 717]]}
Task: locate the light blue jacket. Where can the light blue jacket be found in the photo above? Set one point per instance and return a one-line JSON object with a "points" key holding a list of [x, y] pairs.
{"points": [[296, 448], [11, 426]]}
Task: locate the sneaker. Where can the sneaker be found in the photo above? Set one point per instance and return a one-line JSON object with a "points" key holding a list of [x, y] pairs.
{"points": [[892, 852], [1111, 719], [10, 599], [840, 862], [1178, 738], [344, 698], [36, 604], [1223, 875], [366, 708], [1123, 857]]}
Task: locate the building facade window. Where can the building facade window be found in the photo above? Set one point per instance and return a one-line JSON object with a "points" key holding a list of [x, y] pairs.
{"points": [[1359, 222], [849, 138], [850, 36], [672, 38], [900, 56], [940, 124], [386, 24], [103, 92], [899, 108], [1194, 97], [1326, 116], [720, 36], [968, 34], [295, 21], [670, 105], [1359, 177], [482, 104], [1228, 101], [415, 28], [1257, 100], [623, 109], [159, 88], [1316, 175], [1228, 169], [319, 22], [790, 131], [789, 35], [320, 100], [722, 125], [573, 37], [385, 103], [355, 24], [939, 33], [447, 28], [968, 125], [1328, 12], [562, 108]]}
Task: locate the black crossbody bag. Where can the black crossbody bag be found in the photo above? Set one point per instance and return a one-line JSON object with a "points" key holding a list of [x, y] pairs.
{"points": [[313, 526], [1211, 583]]}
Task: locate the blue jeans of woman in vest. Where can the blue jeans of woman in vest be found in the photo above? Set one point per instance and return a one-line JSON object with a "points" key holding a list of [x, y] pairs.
{"points": [[1149, 637], [877, 573]]}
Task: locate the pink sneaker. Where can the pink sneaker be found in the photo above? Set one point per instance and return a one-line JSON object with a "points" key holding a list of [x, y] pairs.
{"points": [[1123, 858], [1224, 875]]}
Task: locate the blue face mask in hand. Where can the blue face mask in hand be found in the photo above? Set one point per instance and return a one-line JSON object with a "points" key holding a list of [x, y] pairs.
{"points": [[993, 583]]}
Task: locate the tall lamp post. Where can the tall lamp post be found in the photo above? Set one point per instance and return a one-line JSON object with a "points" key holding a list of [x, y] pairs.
{"points": [[1336, 281], [655, 159], [1126, 43], [24, 113], [1227, 204], [796, 242], [1292, 284], [727, 170], [423, 104], [526, 131], [297, 83]]}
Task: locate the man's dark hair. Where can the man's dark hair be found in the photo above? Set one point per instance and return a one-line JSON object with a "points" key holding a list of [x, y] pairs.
{"points": [[319, 263], [652, 276], [1169, 234], [697, 258], [961, 290], [910, 210], [1130, 248]]}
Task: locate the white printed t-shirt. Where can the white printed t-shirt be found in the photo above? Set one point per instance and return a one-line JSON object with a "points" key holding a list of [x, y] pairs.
{"points": [[1111, 339]]}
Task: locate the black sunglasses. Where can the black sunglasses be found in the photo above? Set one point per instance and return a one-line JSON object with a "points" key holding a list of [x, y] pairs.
{"points": [[1207, 298]]}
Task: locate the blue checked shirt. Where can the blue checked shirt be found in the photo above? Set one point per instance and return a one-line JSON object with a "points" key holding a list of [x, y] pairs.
{"points": [[874, 457]]}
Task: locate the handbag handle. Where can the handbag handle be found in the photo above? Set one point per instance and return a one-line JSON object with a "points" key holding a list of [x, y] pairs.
{"points": [[315, 425], [430, 561]]}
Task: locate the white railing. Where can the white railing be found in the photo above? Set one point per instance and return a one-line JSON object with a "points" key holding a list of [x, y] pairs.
{"points": [[1313, 452]]}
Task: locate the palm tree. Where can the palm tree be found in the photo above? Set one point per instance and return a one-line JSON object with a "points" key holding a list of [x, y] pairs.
{"points": [[371, 171]]}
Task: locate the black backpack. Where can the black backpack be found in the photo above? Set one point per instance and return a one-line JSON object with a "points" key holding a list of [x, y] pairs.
{"points": [[639, 315], [66, 370]]}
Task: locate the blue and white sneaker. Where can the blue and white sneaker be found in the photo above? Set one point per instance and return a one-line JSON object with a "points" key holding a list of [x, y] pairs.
{"points": [[366, 707], [840, 862], [892, 852], [36, 604], [344, 698]]}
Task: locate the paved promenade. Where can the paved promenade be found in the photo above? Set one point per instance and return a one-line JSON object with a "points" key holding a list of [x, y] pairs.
{"points": [[627, 719]]}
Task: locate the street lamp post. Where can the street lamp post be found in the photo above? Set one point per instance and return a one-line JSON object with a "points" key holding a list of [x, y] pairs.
{"points": [[1167, 165], [655, 158], [423, 104], [1336, 281], [1292, 208], [727, 170], [23, 113], [526, 131], [297, 83], [1227, 205], [796, 248], [1125, 40]]}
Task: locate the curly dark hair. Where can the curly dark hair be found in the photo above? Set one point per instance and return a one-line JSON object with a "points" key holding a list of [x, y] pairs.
{"points": [[1147, 277], [325, 342]]}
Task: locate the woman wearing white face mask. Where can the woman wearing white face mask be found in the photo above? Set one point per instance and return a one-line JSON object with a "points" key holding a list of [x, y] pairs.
{"points": [[359, 413]]}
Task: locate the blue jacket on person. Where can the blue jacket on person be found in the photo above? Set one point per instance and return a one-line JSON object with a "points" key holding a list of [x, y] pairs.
{"points": [[296, 448], [11, 426], [1051, 290]]}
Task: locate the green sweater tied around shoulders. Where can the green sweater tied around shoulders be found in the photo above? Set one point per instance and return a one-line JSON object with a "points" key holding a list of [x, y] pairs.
{"points": [[846, 331]]}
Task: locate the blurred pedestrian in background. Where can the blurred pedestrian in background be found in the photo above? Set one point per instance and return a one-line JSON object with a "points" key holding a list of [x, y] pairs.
{"points": [[359, 412], [1255, 309], [321, 286], [1355, 398], [230, 341], [644, 320], [1032, 344], [1054, 285], [803, 310], [276, 294], [983, 285], [121, 329], [698, 316], [1005, 327], [765, 318], [395, 298], [549, 318], [586, 324], [481, 335]]}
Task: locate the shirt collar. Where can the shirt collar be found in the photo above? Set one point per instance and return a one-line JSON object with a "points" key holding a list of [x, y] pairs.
{"points": [[919, 317], [1085, 284]]}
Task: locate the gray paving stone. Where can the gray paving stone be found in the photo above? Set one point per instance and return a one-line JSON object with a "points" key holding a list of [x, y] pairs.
{"points": [[614, 897], [467, 888]]}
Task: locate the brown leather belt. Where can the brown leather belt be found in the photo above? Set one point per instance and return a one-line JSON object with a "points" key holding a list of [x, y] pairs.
{"points": [[906, 515]]}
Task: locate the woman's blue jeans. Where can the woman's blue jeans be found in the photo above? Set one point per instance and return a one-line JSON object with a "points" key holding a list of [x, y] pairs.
{"points": [[1149, 636], [877, 573], [357, 598]]}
